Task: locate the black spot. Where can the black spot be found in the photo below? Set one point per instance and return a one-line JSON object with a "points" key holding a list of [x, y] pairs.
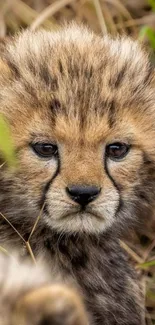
{"points": [[31, 66], [142, 195], [149, 164], [88, 73], [30, 90], [54, 84], [112, 114], [73, 69], [80, 93], [64, 249], [49, 246], [55, 105], [61, 67], [50, 81], [15, 70], [45, 75], [144, 240], [103, 105], [147, 160], [116, 81], [120, 77], [79, 261], [135, 89]]}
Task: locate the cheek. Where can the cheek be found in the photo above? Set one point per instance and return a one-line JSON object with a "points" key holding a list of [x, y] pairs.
{"points": [[36, 172], [125, 173]]}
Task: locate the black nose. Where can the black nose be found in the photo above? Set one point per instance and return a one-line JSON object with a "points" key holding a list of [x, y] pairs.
{"points": [[83, 194]]}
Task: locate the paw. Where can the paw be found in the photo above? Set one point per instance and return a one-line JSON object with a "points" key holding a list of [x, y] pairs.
{"points": [[52, 305]]}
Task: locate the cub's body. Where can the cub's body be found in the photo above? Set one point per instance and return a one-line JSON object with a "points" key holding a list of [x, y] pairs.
{"points": [[81, 111]]}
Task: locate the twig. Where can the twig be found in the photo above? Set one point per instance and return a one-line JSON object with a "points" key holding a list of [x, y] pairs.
{"points": [[100, 16], [27, 243], [36, 222], [134, 256], [48, 12], [109, 19], [149, 19], [118, 4], [30, 14], [28, 246], [148, 250], [2, 164], [120, 7], [11, 225], [3, 250]]}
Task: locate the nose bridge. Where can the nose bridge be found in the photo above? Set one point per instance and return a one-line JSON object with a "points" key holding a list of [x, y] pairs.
{"points": [[82, 168]]}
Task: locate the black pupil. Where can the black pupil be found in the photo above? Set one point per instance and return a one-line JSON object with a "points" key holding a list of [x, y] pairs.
{"points": [[45, 150], [117, 150]]}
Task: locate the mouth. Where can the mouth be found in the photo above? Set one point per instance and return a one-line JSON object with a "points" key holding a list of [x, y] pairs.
{"points": [[76, 219], [82, 213]]}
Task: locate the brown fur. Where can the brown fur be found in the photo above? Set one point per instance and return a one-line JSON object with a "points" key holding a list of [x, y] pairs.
{"points": [[81, 92]]}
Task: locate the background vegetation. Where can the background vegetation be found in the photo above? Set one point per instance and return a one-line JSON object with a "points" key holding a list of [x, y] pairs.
{"points": [[133, 17]]}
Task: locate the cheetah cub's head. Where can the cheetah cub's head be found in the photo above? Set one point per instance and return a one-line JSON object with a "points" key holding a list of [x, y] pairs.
{"points": [[82, 115]]}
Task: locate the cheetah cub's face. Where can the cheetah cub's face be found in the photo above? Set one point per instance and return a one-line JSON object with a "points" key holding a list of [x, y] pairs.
{"points": [[82, 113]]}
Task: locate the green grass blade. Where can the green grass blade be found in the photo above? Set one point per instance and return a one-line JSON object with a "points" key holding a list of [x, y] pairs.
{"points": [[152, 4], [6, 145], [149, 33], [146, 265]]}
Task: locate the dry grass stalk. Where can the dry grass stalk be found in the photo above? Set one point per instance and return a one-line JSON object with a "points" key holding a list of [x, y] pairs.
{"points": [[48, 12], [131, 253], [3, 250], [27, 15], [123, 12], [112, 28], [100, 16], [27, 243]]}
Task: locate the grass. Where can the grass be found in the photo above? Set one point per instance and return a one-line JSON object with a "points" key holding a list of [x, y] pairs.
{"points": [[134, 18]]}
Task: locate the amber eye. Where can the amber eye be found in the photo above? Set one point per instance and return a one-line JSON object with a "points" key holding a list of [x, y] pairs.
{"points": [[117, 151], [45, 150]]}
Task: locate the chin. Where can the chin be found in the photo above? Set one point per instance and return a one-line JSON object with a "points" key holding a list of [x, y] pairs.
{"points": [[81, 222]]}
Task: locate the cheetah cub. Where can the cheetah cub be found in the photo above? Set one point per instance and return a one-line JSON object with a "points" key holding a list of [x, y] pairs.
{"points": [[81, 110]]}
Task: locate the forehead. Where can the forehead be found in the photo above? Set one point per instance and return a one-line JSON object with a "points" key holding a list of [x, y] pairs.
{"points": [[78, 77]]}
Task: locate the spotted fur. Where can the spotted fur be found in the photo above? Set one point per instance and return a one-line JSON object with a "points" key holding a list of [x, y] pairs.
{"points": [[81, 92]]}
